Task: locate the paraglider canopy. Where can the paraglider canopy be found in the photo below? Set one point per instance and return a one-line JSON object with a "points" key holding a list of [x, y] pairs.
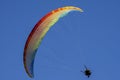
{"points": [[38, 32]]}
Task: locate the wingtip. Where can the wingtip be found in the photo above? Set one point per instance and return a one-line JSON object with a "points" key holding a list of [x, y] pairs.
{"points": [[31, 75]]}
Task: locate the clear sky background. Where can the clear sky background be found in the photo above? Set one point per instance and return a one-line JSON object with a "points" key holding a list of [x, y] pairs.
{"points": [[90, 38]]}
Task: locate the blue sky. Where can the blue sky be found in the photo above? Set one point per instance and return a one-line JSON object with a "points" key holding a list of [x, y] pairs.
{"points": [[90, 38]]}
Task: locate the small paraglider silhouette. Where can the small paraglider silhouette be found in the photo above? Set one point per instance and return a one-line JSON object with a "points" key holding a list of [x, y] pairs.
{"points": [[87, 71]]}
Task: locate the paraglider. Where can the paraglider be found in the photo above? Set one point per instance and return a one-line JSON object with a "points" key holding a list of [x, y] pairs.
{"points": [[38, 32], [87, 72]]}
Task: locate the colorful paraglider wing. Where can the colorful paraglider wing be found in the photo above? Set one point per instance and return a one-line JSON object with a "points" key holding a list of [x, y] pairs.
{"points": [[38, 32]]}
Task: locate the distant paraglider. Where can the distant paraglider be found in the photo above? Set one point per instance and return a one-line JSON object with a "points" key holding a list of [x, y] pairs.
{"points": [[38, 32], [87, 72]]}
